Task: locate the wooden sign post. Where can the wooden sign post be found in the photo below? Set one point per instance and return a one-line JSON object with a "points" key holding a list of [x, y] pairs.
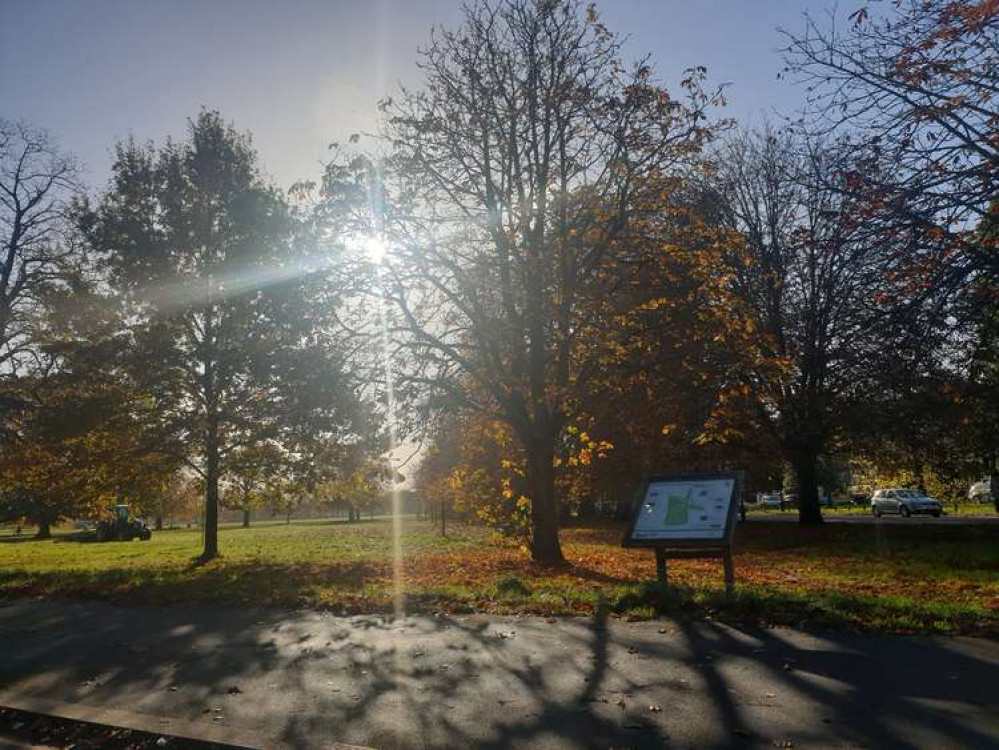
{"points": [[688, 515]]}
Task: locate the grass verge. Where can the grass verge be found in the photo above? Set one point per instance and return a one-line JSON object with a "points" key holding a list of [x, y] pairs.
{"points": [[895, 578]]}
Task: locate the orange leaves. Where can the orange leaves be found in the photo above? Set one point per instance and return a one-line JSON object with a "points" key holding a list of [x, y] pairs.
{"points": [[583, 449], [972, 16], [350, 567]]}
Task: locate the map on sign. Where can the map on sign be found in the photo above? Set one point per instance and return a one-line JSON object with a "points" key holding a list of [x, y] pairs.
{"points": [[684, 509]]}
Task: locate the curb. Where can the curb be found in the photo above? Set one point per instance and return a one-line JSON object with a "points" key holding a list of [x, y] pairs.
{"points": [[230, 736]]}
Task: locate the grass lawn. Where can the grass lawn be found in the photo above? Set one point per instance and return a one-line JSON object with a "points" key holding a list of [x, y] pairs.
{"points": [[912, 578]]}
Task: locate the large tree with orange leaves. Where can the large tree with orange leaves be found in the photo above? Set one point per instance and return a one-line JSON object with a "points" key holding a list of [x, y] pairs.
{"points": [[520, 161]]}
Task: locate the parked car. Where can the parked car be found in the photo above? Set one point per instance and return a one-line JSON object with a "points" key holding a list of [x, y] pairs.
{"points": [[981, 492], [905, 502], [771, 500]]}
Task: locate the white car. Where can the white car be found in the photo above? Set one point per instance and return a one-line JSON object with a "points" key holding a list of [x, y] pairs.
{"points": [[905, 502], [981, 492]]}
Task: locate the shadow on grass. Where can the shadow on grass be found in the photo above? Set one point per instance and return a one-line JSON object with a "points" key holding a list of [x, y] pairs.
{"points": [[25, 538], [364, 586], [826, 610], [81, 537], [196, 581]]}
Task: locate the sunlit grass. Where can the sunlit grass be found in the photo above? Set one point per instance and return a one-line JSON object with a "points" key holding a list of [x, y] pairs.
{"points": [[913, 578]]}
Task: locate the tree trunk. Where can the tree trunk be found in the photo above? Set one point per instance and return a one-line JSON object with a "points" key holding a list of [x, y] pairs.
{"points": [[806, 469], [212, 493], [44, 529], [545, 546], [158, 522], [246, 518], [211, 397]]}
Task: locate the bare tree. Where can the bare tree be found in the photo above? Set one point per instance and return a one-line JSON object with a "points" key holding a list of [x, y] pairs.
{"points": [[518, 166], [813, 281], [915, 82], [37, 185]]}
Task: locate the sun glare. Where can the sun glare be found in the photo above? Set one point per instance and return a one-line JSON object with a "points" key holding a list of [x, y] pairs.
{"points": [[374, 248]]}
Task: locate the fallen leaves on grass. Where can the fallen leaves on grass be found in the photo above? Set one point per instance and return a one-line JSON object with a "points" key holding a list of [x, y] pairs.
{"points": [[348, 569]]}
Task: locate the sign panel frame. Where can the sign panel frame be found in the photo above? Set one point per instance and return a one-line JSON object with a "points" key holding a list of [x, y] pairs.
{"points": [[691, 547], [689, 543]]}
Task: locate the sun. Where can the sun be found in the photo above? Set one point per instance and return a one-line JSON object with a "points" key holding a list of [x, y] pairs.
{"points": [[374, 248]]}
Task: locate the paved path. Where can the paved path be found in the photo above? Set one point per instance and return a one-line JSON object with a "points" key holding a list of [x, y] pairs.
{"points": [[309, 679]]}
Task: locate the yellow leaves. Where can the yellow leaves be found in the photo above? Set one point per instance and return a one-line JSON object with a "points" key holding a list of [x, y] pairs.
{"points": [[654, 304], [506, 490], [582, 449], [455, 480]]}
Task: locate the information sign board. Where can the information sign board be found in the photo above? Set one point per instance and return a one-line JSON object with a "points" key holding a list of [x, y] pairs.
{"points": [[688, 515], [684, 509]]}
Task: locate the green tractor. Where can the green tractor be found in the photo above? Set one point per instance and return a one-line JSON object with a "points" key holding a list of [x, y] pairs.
{"points": [[120, 527]]}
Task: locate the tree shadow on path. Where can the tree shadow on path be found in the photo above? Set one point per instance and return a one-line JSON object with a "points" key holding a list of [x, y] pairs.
{"points": [[310, 679]]}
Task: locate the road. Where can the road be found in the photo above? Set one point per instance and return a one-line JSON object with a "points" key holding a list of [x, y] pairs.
{"points": [[791, 516], [308, 679]]}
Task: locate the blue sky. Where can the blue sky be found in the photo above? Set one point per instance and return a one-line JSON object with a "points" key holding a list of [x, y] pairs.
{"points": [[302, 73]]}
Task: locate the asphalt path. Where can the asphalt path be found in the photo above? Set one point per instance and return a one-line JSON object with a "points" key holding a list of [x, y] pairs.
{"points": [[309, 679]]}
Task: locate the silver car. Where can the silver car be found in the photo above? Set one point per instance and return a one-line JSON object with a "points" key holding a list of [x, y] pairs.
{"points": [[981, 492], [771, 500], [905, 502]]}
